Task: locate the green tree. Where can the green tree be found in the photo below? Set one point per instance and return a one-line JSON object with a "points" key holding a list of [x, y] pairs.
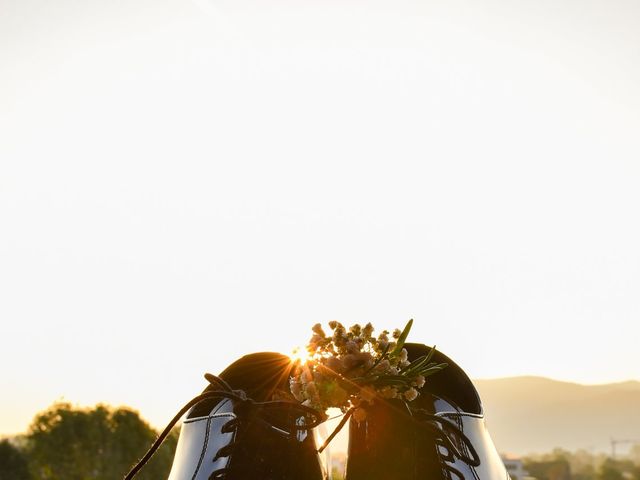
{"points": [[610, 470], [634, 454], [101, 443], [583, 465], [554, 469], [13, 463]]}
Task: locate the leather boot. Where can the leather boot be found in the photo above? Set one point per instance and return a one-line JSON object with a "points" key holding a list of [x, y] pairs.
{"points": [[441, 435], [235, 430]]}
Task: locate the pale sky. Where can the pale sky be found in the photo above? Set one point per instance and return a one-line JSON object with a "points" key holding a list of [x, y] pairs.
{"points": [[182, 182]]}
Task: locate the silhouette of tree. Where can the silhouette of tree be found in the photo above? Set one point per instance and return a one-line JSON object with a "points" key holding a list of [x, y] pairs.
{"points": [[68, 443], [13, 463]]}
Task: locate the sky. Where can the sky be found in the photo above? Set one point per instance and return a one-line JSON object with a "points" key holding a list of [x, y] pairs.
{"points": [[184, 182]]}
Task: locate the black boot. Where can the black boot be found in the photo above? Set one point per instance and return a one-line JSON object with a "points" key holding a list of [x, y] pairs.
{"points": [[443, 430], [235, 430]]}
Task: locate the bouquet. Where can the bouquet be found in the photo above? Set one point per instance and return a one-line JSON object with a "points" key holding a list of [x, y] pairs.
{"points": [[351, 367]]}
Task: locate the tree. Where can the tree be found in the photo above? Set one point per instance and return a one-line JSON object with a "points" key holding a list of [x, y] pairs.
{"points": [[555, 469], [68, 443], [634, 454], [583, 465], [610, 470], [13, 463]]}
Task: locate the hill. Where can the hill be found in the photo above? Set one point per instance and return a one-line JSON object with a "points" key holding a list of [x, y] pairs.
{"points": [[535, 414]]}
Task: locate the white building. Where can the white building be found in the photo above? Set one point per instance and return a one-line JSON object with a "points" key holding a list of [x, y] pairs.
{"points": [[515, 467]]}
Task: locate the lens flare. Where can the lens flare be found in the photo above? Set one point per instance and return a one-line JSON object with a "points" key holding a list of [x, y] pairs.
{"points": [[300, 355]]}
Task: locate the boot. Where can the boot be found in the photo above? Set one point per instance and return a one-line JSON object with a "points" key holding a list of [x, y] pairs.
{"points": [[235, 430], [441, 435]]}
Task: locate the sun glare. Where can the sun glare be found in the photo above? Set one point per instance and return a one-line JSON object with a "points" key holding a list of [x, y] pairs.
{"points": [[300, 354]]}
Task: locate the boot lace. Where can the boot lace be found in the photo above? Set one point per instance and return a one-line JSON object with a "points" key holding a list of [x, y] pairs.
{"points": [[246, 410], [443, 432]]}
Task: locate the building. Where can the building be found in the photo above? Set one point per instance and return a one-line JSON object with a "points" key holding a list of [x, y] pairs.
{"points": [[515, 467]]}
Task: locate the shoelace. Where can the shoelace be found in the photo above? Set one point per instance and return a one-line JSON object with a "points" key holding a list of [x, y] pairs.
{"points": [[444, 431], [245, 409]]}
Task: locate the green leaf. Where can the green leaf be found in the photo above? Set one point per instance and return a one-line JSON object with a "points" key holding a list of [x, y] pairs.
{"points": [[432, 368], [391, 380], [431, 353], [365, 380], [415, 365], [401, 339], [419, 363]]}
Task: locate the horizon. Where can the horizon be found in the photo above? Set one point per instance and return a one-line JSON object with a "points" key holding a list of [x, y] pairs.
{"points": [[583, 384], [158, 424], [505, 421]]}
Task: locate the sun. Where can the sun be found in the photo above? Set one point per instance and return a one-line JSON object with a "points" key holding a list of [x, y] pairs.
{"points": [[300, 354]]}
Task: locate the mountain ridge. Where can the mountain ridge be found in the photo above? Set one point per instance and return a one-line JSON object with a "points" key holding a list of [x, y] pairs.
{"points": [[541, 378], [529, 414]]}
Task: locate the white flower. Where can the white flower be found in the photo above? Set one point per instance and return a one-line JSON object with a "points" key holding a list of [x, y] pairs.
{"points": [[411, 394], [366, 359], [419, 381], [384, 365], [404, 355], [306, 375], [317, 329], [349, 361], [312, 392], [367, 330], [311, 388], [352, 347], [339, 336], [315, 340], [296, 390], [355, 329], [334, 364], [389, 392]]}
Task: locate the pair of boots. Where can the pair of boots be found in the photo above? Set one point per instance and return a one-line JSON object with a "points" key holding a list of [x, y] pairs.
{"points": [[236, 430]]}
